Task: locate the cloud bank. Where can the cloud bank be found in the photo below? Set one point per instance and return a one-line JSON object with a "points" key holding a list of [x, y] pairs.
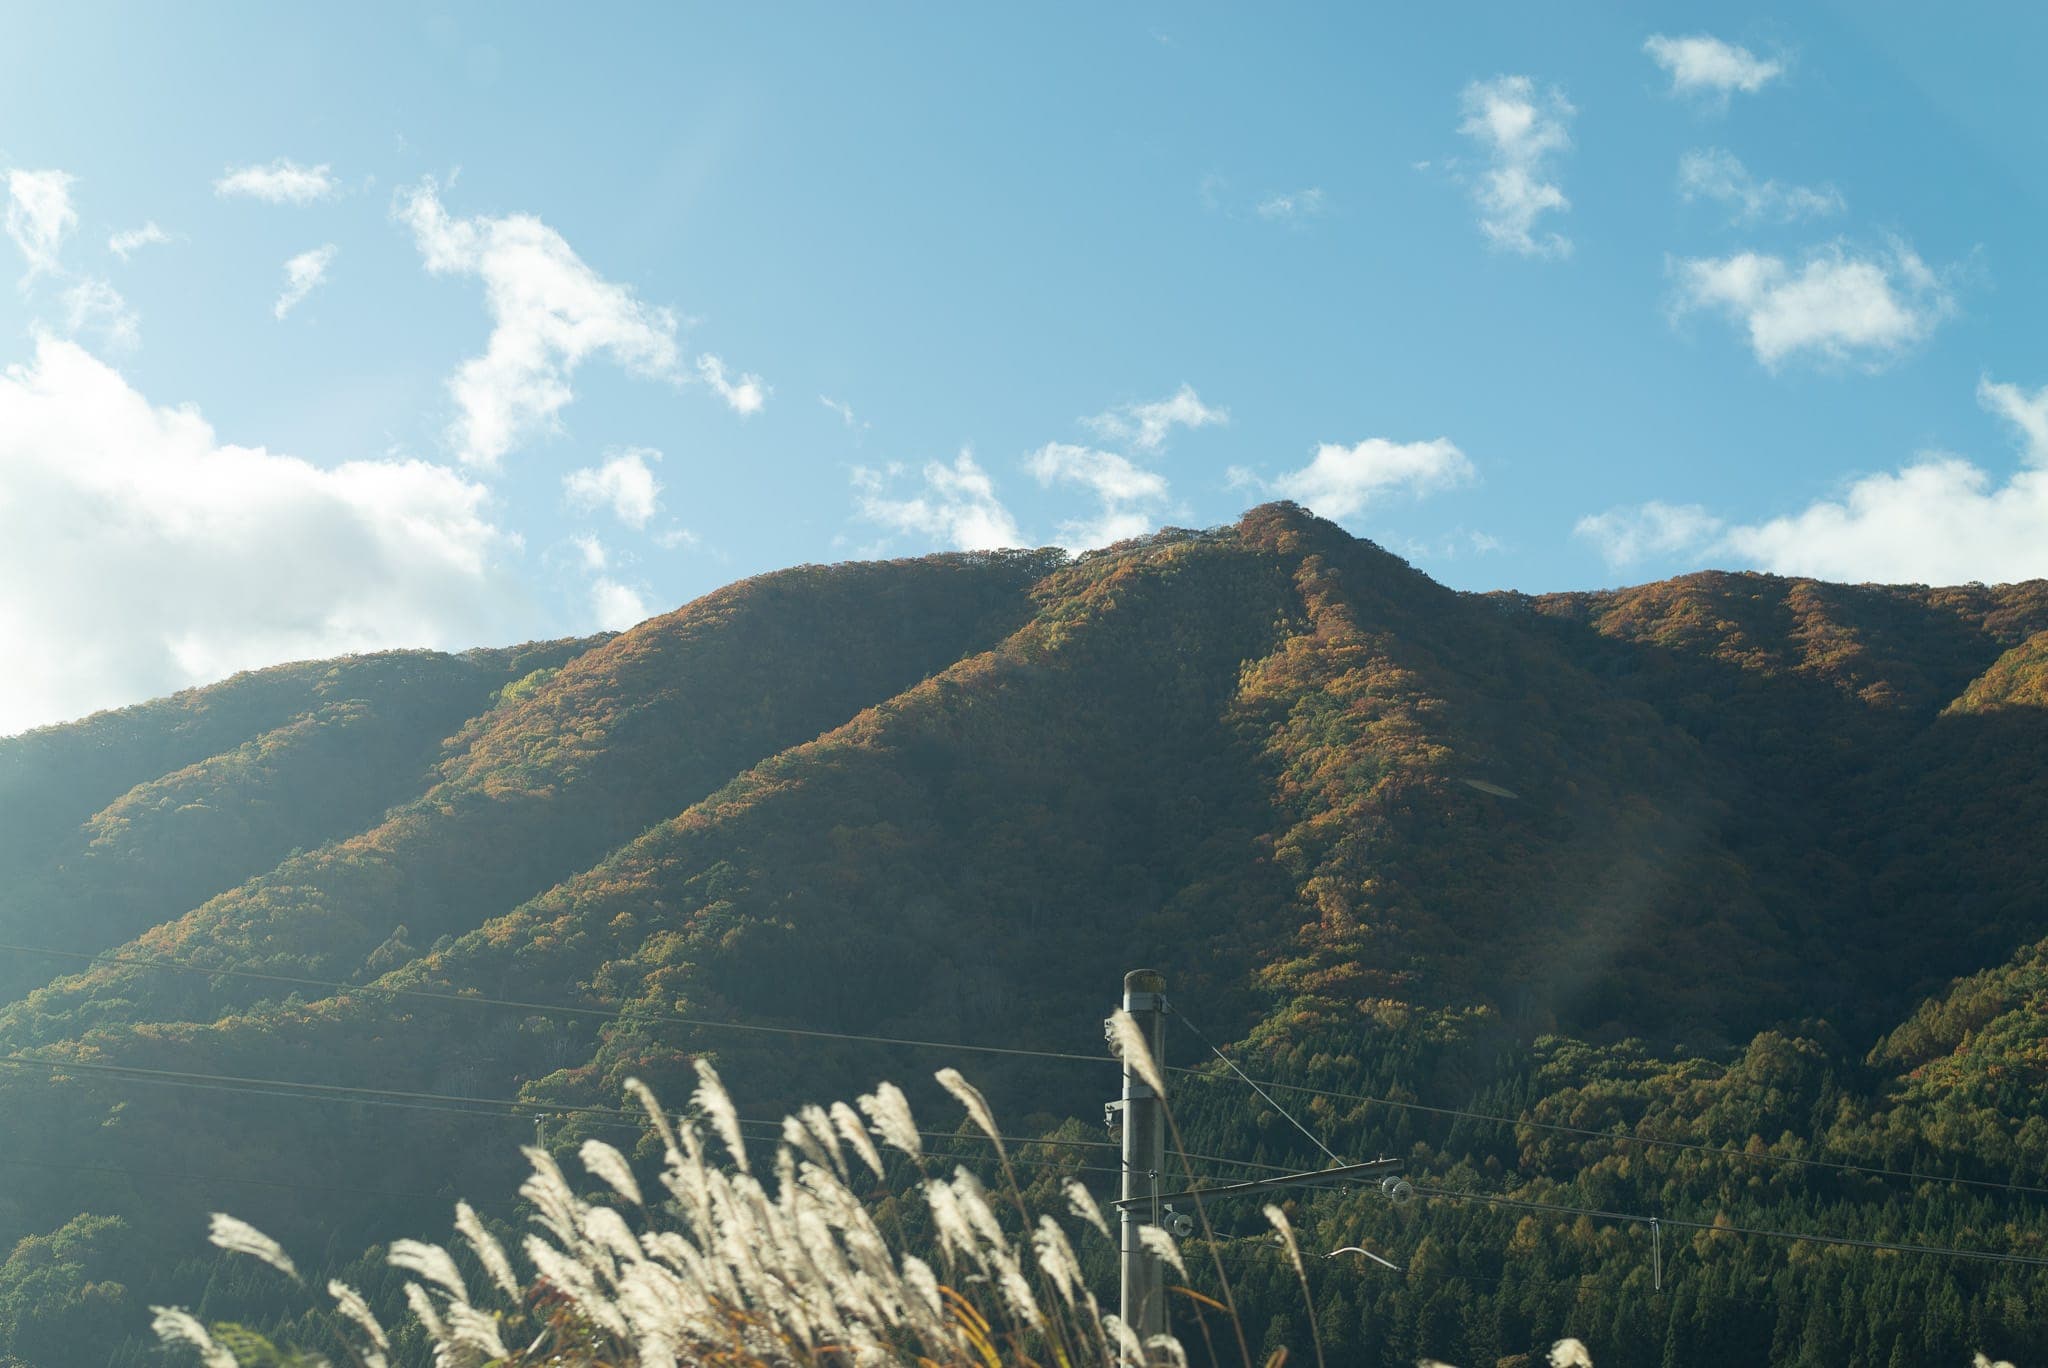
{"points": [[143, 555]]}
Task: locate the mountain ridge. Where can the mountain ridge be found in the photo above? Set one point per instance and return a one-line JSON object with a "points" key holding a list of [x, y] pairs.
{"points": [[1597, 855]]}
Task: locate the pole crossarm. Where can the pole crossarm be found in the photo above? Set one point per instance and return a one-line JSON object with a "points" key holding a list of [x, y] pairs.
{"points": [[1369, 1168]]}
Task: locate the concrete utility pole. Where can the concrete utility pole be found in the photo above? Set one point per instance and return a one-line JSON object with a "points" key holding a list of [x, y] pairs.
{"points": [[1143, 1306]]}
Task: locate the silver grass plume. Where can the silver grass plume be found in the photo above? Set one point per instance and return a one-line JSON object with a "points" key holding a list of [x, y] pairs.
{"points": [[424, 1310], [819, 1123], [1570, 1353], [1056, 1257], [1129, 1348], [549, 1191], [645, 1096], [974, 1204], [1167, 1350], [473, 1329], [608, 1230], [1081, 1202], [1135, 1051], [887, 1107], [716, 1103], [174, 1326], [431, 1262], [239, 1237], [955, 1231], [608, 1164], [1161, 1246], [488, 1251], [1286, 1229], [350, 1304], [851, 1129], [977, 1106]]}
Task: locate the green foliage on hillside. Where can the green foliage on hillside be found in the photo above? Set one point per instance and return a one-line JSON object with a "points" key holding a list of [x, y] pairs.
{"points": [[1694, 862]]}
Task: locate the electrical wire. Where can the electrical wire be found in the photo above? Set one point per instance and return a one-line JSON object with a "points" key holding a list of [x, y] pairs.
{"points": [[1809, 1237], [1314, 1139], [1722, 1151], [497, 1108], [544, 1008], [1262, 1085]]}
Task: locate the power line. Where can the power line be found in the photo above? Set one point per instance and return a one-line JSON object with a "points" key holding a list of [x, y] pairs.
{"points": [[1726, 1152], [1810, 1237], [545, 1008], [508, 1108], [1314, 1139]]}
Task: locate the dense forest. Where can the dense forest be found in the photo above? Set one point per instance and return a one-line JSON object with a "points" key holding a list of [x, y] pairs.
{"points": [[1722, 900]]}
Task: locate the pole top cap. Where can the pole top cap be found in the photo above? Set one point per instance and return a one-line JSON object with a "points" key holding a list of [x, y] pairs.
{"points": [[1144, 981]]}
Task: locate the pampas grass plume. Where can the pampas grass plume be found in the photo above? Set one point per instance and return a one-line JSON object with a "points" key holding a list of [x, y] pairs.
{"points": [[239, 1237]]}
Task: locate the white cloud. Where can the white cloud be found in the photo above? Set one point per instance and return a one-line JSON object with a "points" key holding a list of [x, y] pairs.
{"points": [[139, 555], [958, 506], [1291, 208], [1701, 64], [616, 606], [590, 551], [549, 313], [39, 215], [284, 181], [1129, 494], [1520, 131], [303, 274], [845, 412], [623, 484], [1938, 520], [1145, 427], [1342, 481], [2027, 412], [126, 244], [744, 396], [1836, 305], [1625, 536], [1717, 174], [94, 304]]}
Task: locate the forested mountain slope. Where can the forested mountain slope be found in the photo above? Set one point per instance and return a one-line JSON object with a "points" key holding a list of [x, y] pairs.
{"points": [[1693, 862]]}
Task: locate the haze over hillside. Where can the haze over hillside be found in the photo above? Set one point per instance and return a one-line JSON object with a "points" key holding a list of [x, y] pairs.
{"points": [[1730, 860]]}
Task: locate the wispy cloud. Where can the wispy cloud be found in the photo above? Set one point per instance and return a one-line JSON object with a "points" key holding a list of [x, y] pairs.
{"points": [[1714, 173], [743, 394], [2026, 412], [1940, 519], [1522, 131], [39, 217], [1292, 207], [549, 313], [625, 484], [847, 418], [1145, 427], [126, 244], [283, 181], [956, 507], [1837, 304], [1625, 536], [303, 274], [93, 305], [1342, 481], [1129, 495], [1700, 64]]}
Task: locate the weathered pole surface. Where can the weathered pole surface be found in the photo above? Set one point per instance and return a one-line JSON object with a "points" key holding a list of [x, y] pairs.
{"points": [[1144, 1154]]}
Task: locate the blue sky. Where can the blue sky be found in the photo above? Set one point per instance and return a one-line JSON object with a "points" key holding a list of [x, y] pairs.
{"points": [[409, 326]]}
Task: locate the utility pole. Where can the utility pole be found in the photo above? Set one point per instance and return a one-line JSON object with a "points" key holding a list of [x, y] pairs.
{"points": [[1143, 1305]]}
